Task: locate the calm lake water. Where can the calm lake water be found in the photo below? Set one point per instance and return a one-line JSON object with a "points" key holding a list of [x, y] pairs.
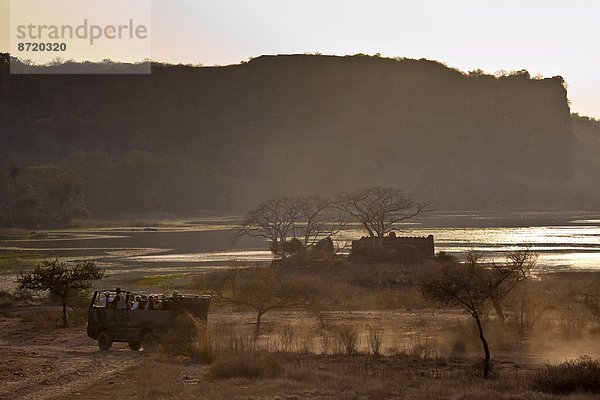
{"points": [[563, 241]]}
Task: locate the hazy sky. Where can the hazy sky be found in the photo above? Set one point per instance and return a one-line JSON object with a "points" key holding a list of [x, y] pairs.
{"points": [[548, 37]]}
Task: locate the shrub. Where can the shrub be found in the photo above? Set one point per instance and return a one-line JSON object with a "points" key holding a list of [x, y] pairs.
{"points": [[347, 340], [375, 338], [580, 375], [189, 337], [326, 344], [287, 336], [422, 350], [245, 365]]}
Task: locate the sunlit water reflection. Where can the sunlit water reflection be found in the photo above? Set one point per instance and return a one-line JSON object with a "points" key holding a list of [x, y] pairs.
{"points": [[562, 240]]}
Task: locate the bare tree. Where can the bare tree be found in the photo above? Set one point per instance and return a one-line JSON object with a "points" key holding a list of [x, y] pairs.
{"points": [[274, 220], [312, 209], [379, 209], [458, 285], [531, 301], [499, 280], [61, 280], [261, 289], [305, 219], [319, 219], [589, 297]]}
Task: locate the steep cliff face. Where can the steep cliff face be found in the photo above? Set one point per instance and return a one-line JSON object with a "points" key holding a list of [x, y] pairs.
{"points": [[283, 124]]}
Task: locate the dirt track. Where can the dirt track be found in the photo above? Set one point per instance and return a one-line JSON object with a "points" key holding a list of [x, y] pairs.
{"points": [[65, 363], [56, 363]]}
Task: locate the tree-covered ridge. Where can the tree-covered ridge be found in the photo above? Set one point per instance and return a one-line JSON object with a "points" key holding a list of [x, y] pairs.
{"points": [[186, 139]]}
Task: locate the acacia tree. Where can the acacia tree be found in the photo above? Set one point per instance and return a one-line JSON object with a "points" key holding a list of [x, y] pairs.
{"points": [[304, 220], [319, 220], [531, 301], [458, 285], [61, 280], [260, 289], [500, 280], [379, 209], [273, 220]]}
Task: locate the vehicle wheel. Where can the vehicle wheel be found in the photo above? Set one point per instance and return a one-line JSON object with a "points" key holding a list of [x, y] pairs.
{"points": [[150, 342], [135, 346], [104, 341]]}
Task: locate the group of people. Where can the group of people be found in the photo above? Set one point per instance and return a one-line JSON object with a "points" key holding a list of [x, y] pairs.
{"points": [[121, 301], [151, 302]]}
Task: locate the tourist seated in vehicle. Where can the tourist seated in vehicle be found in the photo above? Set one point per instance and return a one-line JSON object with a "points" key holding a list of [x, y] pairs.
{"points": [[165, 302], [136, 303], [143, 302], [151, 304]]}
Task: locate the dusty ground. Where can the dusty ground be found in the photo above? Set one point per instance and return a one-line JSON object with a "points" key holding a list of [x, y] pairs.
{"points": [[54, 364], [41, 362]]}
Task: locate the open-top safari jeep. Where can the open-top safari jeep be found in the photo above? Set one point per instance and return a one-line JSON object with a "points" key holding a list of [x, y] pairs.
{"points": [[141, 327]]}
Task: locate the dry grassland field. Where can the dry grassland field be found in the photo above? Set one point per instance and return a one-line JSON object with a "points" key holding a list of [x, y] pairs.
{"points": [[295, 358], [370, 335]]}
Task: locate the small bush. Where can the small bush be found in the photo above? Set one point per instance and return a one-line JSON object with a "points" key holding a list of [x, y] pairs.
{"points": [[245, 365], [422, 350], [326, 344], [581, 375], [287, 336], [190, 337], [347, 340], [375, 338]]}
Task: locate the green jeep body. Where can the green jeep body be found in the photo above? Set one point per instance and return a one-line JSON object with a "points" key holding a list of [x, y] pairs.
{"points": [[107, 324]]}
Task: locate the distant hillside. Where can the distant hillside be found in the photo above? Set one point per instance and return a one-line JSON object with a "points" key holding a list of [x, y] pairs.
{"points": [[189, 139], [584, 187]]}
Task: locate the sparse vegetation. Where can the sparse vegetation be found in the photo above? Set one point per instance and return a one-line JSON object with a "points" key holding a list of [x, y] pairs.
{"points": [[261, 289], [347, 340], [63, 281], [375, 339], [581, 375], [246, 365], [457, 286], [190, 337]]}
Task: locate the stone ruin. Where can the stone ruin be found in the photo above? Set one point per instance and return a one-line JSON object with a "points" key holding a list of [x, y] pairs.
{"points": [[401, 250]]}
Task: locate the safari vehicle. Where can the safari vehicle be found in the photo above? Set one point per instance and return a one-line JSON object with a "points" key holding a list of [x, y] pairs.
{"points": [[140, 327]]}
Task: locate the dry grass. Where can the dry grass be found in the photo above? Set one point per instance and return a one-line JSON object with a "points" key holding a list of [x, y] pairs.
{"points": [[190, 337], [347, 340], [282, 375], [344, 286], [375, 339], [277, 366], [41, 320], [581, 375], [246, 365], [42, 314], [44, 319]]}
